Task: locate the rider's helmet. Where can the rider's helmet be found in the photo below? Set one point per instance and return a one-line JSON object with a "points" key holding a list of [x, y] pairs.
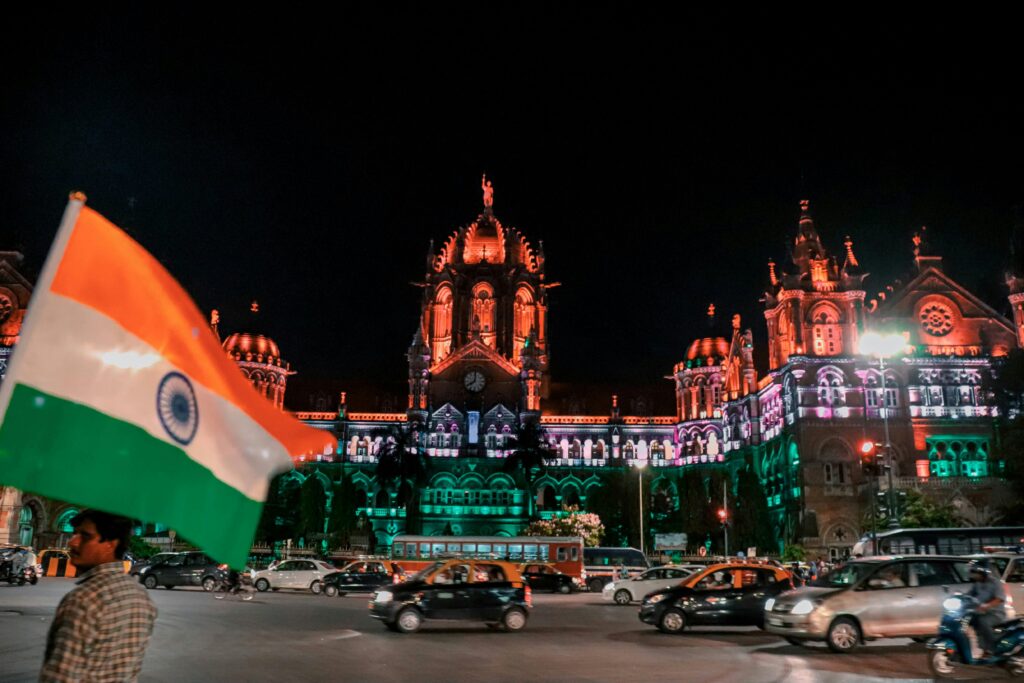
{"points": [[979, 568]]}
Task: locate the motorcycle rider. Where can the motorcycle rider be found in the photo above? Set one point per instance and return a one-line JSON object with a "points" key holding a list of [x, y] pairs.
{"points": [[988, 591]]}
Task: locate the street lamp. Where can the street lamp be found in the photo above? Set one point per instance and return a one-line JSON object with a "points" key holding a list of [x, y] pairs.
{"points": [[640, 465], [883, 346]]}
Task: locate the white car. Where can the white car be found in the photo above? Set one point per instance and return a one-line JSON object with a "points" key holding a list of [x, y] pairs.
{"points": [[625, 591], [295, 574]]}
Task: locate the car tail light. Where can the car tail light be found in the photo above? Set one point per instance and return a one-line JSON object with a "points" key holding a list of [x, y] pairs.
{"points": [[529, 597]]}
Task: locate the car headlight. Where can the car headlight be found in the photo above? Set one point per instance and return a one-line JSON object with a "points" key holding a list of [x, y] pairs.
{"points": [[383, 597], [655, 598], [803, 607], [769, 604], [952, 604]]}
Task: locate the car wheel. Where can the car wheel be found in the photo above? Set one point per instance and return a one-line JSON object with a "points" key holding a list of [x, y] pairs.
{"points": [[843, 635], [209, 583], [316, 588], [795, 641], [565, 589], [330, 590], [595, 585], [409, 620], [262, 585], [623, 597], [149, 582], [514, 620], [672, 621]]}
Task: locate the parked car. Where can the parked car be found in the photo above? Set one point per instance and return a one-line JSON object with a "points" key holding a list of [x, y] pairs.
{"points": [[625, 591], [356, 577], [139, 565], [490, 591], [178, 569], [294, 574], [728, 594], [544, 577], [877, 597]]}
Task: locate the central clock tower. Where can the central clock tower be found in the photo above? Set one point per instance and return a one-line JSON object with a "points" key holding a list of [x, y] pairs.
{"points": [[481, 345]]}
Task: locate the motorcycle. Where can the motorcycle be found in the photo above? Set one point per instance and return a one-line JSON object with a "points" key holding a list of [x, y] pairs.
{"points": [[956, 644], [223, 586]]}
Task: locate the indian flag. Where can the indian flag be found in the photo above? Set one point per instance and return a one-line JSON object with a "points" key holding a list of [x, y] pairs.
{"points": [[120, 397]]}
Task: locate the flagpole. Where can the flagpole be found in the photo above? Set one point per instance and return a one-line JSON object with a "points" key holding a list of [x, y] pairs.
{"points": [[76, 200]]}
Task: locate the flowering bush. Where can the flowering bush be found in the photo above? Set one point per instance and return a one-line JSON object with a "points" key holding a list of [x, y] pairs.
{"points": [[586, 525]]}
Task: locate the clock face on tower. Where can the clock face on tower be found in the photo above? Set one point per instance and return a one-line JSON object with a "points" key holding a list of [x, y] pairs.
{"points": [[474, 380]]}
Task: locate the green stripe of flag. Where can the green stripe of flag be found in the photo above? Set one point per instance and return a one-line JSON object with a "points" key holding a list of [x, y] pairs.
{"points": [[78, 454]]}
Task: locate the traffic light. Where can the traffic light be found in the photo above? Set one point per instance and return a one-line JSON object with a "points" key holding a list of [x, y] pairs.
{"points": [[869, 457], [723, 516]]}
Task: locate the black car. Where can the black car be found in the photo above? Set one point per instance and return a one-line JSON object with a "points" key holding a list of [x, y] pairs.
{"points": [[180, 569], [544, 577], [357, 577], [490, 591], [721, 595], [139, 565]]}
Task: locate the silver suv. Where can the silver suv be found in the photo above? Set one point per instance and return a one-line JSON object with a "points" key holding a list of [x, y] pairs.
{"points": [[877, 597]]}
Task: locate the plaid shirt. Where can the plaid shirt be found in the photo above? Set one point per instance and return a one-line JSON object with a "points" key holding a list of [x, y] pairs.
{"points": [[101, 629]]}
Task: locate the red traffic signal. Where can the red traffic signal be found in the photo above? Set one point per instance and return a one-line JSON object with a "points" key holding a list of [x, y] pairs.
{"points": [[867, 449], [722, 514]]}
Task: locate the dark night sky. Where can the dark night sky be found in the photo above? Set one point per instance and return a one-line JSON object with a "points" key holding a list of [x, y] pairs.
{"points": [[307, 162]]}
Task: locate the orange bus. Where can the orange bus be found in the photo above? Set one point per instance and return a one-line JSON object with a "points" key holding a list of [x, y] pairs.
{"points": [[565, 553]]}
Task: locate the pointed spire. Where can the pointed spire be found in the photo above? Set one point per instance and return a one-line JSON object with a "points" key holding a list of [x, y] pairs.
{"points": [[711, 316], [924, 257], [851, 260], [771, 272], [254, 307]]}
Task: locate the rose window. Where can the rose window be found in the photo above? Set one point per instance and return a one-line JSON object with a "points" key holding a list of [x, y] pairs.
{"points": [[936, 319], [6, 307]]}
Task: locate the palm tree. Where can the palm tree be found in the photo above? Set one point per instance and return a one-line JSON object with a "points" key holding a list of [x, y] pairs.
{"points": [[529, 458], [402, 464]]}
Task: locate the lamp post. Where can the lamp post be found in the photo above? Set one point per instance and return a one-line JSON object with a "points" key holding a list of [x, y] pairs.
{"points": [[883, 346], [640, 465]]}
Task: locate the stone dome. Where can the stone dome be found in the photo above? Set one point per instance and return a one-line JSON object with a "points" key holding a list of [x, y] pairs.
{"points": [[716, 348], [252, 347]]}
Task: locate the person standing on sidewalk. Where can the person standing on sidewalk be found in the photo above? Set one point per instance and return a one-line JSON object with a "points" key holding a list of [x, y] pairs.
{"points": [[102, 627]]}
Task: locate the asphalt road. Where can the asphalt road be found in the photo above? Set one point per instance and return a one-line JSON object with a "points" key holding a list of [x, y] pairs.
{"points": [[301, 637]]}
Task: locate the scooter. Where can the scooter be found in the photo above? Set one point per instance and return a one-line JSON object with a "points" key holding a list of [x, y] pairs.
{"points": [[957, 646]]}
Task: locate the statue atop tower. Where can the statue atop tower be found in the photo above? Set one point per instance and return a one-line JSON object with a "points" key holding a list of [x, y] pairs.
{"points": [[488, 189]]}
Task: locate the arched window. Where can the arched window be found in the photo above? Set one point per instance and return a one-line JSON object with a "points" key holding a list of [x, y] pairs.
{"points": [[872, 392], [826, 331], [482, 315], [628, 450], [441, 340], [522, 318], [831, 391], [546, 498], [599, 451], [571, 496], [892, 392], [359, 498], [382, 500]]}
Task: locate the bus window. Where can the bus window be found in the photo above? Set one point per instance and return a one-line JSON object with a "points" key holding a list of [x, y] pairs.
{"points": [[469, 548], [575, 553], [515, 551], [398, 550], [454, 547], [561, 554], [424, 550], [529, 551], [500, 549], [483, 549], [437, 549], [543, 552]]}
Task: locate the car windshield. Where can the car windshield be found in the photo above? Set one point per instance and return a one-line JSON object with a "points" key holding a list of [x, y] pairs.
{"points": [[422, 574], [844, 576]]}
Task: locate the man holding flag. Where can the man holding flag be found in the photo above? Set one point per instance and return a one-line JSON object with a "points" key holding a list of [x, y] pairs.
{"points": [[119, 397]]}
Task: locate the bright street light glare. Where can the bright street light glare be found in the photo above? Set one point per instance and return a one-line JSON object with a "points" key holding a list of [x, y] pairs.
{"points": [[882, 345]]}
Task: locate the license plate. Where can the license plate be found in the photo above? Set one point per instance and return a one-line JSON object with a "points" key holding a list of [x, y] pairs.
{"points": [[774, 622]]}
